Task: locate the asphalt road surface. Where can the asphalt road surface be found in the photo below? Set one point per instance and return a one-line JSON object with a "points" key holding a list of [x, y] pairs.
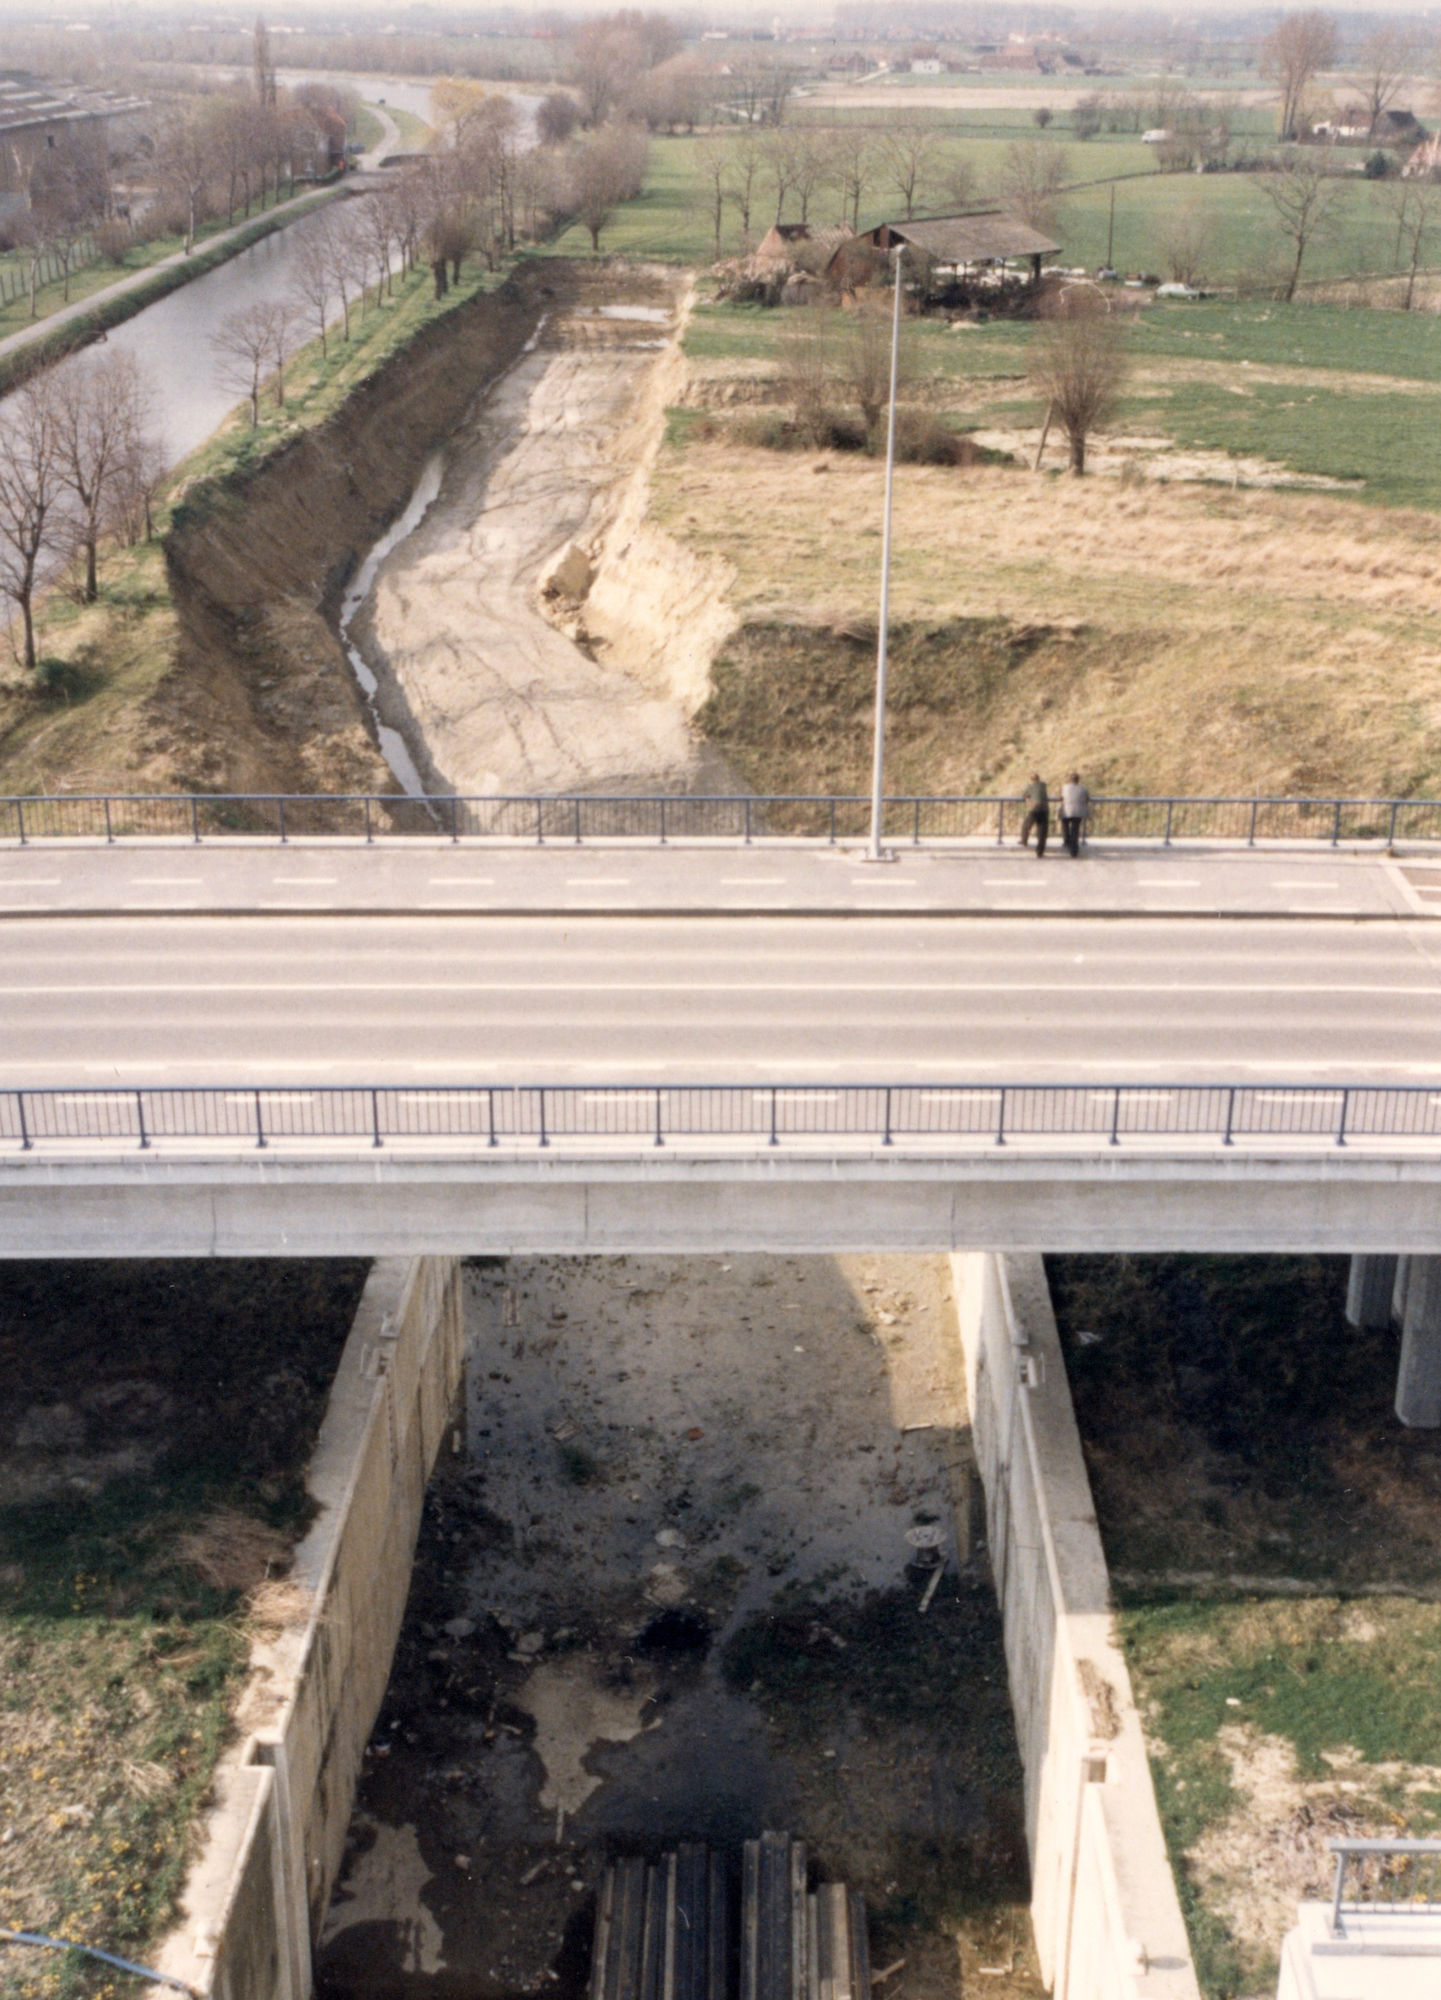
{"points": [[161, 999]]}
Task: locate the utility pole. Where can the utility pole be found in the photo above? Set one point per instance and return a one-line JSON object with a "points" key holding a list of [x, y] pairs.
{"points": [[1111, 234], [878, 763]]}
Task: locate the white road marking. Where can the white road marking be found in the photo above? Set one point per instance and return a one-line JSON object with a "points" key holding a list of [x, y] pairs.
{"points": [[1279, 884], [902, 988]]}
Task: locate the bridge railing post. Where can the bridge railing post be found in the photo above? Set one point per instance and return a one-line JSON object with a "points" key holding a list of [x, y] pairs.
{"points": [[1001, 1118], [26, 1142], [376, 1139], [140, 1118], [260, 1139], [886, 1134], [1341, 1126]]}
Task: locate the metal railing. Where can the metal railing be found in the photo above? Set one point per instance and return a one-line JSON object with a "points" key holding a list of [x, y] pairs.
{"points": [[662, 818], [1386, 1878], [760, 1115]]}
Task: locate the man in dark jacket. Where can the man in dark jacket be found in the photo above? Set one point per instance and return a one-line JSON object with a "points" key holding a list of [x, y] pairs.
{"points": [[1037, 801]]}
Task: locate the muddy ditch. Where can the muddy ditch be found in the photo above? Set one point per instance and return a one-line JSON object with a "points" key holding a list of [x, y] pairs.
{"points": [[1274, 1539], [157, 1424], [670, 1587], [521, 418], [263, 697]]}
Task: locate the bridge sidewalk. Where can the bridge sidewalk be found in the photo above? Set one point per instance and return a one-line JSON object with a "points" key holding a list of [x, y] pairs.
{"points": [[432, 876]]}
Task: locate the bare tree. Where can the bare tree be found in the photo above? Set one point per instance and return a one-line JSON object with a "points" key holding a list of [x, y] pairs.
{"points": [[1383, 62], [712, 172], [1186, 241], [102, 413], [1416, 206], [864, 359], [69, 193], [808, 372], [810, 162], [607, 57], [908, 157], [32, 492], [184, 159], [1305, 195], [556, 117], [1298, 46], [607, 171], [747, 163], [1077, 365], [251, 344], [852, 167], [312, 286], [1033, 173]]}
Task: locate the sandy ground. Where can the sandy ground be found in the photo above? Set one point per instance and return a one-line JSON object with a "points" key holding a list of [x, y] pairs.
{"points": [[489, 693], [665, 1591]]}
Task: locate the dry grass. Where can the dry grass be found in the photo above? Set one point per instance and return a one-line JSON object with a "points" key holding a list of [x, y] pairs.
{"points": [[1199, 639], [234, 1551]]}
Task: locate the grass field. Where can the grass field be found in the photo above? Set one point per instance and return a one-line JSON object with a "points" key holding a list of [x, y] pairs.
{"points": [[670, 219], [1237, 1430], [151, 1480]]}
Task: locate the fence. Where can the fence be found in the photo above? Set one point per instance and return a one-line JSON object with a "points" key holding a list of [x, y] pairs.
{"points": [[765, 1115], [50, 268], [1385, 1877], [664, 818]]}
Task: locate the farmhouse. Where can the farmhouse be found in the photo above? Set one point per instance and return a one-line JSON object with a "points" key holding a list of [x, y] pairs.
{"points": [[795, 246], [967, 247], [36, 117]]}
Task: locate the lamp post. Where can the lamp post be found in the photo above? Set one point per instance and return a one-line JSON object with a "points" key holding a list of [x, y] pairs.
{"points": [[878, 762]]}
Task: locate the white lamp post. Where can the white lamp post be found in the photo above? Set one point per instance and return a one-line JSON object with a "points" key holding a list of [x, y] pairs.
{"points": [[878, 764]]}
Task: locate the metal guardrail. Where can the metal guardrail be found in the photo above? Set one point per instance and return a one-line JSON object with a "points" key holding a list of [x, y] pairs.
{"points": [[1388, 1877], [543, 1115], [574, 818]]}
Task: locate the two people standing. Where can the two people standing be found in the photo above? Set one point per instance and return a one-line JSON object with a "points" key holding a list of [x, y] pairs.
{"points": [[1075, 810]]}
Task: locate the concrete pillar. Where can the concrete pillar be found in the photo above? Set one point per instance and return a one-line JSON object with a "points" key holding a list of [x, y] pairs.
{"points": [[1369, 1291], [1418, 1381], [1398, 1295]]}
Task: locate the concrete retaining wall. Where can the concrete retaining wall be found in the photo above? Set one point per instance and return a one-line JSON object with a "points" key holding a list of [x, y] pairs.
{"points": [[1107, 1921], [273, 1840]]}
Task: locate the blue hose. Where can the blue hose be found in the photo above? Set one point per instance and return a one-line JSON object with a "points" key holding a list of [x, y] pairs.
{"points": [[91, 1951]]}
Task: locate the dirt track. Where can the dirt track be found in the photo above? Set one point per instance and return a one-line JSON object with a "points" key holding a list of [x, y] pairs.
{"points": [[490, 693]]}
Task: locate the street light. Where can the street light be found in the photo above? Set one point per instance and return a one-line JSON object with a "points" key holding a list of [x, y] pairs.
{"points": [[878, 763]]}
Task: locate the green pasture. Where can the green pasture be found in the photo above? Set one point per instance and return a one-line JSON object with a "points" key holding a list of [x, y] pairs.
{"points": [[670, 218]]}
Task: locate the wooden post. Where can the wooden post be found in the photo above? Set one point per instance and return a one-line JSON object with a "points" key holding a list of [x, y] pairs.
{"points": [[1045, 433]]}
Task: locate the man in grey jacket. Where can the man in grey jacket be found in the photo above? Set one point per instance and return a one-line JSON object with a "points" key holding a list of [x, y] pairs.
{"points": [[1075, 810]]}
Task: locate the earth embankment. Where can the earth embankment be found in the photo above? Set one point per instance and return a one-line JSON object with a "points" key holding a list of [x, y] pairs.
{"points": [[263, 698], [479, 628]]}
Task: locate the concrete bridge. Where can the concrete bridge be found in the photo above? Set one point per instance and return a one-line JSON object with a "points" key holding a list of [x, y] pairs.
{"points": [[325, 1048]]}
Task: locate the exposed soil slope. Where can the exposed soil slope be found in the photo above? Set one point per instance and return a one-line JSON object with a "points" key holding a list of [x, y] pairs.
{"points": [[491, 693], [262, 697]]}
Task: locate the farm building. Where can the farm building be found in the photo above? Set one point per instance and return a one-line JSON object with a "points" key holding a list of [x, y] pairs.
{"points": [[795, 246], [37, 117], [969, 249]]}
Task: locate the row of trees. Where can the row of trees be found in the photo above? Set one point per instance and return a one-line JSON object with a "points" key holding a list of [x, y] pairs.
{"points": [[78, 461], [798, 170]]}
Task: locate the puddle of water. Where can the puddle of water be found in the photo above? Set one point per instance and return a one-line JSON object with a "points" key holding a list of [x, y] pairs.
{"points": [[573, 1715], [649, 315]]}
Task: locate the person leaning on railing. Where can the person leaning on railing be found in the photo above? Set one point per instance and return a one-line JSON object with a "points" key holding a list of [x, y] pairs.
{"points": [[1075, 811]]}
